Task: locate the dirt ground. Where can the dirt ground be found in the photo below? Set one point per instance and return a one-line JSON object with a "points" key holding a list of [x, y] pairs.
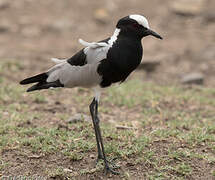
{"points": [[32, 32]]}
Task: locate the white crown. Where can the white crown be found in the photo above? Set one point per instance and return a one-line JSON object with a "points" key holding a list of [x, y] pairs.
{"points": [[140, 19]]}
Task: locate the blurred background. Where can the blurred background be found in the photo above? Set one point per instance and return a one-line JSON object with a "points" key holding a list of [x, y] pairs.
{"points": [[156, 127], [31, 32]]}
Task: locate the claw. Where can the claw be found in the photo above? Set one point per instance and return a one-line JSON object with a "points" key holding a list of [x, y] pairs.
{"points": [[108, 169], [108, 161]]}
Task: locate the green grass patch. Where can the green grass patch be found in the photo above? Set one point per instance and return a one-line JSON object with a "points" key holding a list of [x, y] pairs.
{"points": [[176, 128]]}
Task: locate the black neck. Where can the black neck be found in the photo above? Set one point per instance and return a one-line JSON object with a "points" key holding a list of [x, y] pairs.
{"points": [[124, 33]]}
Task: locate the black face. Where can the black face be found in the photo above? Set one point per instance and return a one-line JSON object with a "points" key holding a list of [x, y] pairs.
{"points": [[131, 27]]}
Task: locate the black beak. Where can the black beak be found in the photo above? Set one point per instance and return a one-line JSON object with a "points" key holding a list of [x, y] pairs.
{"points": [[150, 32]]}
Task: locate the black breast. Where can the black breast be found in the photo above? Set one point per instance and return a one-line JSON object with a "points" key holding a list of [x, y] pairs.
{"points": [[122, 58]]}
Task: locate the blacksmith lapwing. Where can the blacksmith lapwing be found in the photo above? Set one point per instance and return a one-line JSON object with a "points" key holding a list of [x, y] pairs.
{"points": [[98, 65]]}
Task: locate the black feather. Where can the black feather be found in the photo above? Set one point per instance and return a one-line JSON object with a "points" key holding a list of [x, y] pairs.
{"points": [[79, 59], [38, 78], [45, 85], [122, 58]]}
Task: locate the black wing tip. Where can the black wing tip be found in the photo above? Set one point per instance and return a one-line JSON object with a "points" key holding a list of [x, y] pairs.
{"points": [[29, 90], [37, 78], [34, 87], [22, 82], [40, 86]]}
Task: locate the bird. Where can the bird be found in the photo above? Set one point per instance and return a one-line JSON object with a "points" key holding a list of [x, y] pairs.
{"points": [[98, 65]]}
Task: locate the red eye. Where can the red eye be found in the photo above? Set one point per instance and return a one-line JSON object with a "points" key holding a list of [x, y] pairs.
{"points": [[135, 25]]}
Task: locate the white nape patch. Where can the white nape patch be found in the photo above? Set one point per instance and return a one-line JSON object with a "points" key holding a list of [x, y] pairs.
{"points": [[92, 44], [114, 37], [140, 19], [95, 45], [58, 61], [97, 51]]}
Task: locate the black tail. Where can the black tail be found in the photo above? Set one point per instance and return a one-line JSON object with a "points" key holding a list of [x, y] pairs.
{"points": [[41, 82], [38, 78]]}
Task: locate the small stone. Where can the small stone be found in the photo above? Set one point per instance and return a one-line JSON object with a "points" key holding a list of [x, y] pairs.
{"points": [[3, 29], [92, 156], [57, 102], [6, 26], [187, 7], [68, 170], [209, 17], [59, 26], [101, 15], [78, 118], [148, 65], [124, 127], [193, 78], [35, 156], [4, 4]]}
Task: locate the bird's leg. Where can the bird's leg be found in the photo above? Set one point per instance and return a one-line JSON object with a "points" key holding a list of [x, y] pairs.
{"points": [[107, 167], [92, 112]]}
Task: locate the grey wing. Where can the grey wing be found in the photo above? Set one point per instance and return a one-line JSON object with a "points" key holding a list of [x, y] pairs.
{"points": [[95, 51], [81, 69], [72, 76]]}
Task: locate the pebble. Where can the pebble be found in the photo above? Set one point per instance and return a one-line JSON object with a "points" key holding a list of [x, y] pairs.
{"points": [[193, 78], [101, 15], [187, 7], [148, 65], [4, 4], [209, 17]]}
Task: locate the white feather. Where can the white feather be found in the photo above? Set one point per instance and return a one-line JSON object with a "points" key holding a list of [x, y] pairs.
{"points": [[58, 61], [98, 51], [114, 37], [97, 93], [92, 44], [96, 55]]}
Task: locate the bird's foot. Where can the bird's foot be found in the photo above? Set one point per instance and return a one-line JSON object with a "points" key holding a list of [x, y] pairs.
{"points": [[111, 170], [107, 167], [111, 162]]}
